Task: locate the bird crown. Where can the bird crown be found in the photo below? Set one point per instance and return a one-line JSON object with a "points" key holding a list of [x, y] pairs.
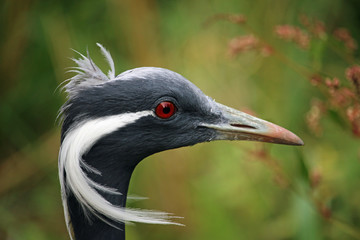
{"points": [[88, 74]]}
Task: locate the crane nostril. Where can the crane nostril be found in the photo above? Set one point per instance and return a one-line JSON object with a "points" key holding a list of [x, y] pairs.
{"points": [[242, 126]]}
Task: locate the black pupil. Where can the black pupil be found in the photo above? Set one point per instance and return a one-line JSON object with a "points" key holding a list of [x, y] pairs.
{"points": [[166, 110]]}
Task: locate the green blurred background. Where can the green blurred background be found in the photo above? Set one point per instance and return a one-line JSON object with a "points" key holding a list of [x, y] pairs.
{"points": [[224, 190]]}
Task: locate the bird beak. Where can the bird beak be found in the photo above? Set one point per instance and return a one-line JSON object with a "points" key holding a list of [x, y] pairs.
{"points": [[237, 125]]}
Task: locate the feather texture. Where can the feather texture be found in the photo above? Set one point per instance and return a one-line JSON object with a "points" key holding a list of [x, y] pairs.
{"points": [[88, 74], [111, 73]]}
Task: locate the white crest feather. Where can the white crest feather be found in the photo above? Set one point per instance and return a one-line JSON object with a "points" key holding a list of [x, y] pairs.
{"points": [[88, 74], [107, 55]]}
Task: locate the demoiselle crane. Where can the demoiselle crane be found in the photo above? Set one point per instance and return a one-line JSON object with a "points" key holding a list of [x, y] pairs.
{"points": [[110, 123]]}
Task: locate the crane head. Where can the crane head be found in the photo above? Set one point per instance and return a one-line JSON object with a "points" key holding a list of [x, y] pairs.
{"points": [[110, 123]]}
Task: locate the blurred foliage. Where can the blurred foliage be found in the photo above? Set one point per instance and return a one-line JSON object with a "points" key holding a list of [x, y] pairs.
{"points": [[224, 190]]}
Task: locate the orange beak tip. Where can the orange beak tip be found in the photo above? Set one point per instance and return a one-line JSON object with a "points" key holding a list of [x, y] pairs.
{"points": [[282, 135]]}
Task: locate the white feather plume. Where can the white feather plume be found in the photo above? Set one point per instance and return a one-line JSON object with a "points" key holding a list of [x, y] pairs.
{"points": [[88, 74], [107, 55]]}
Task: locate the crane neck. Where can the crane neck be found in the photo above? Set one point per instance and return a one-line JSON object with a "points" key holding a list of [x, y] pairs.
{"points": [[116, 170]]}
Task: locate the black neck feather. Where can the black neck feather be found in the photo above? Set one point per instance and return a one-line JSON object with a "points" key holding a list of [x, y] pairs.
{"points": [[116, 170]]}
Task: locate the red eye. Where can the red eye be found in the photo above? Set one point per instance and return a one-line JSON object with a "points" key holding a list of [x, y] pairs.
{"points": [[165, 110]]}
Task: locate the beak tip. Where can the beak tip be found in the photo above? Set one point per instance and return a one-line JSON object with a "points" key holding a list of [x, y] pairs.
{"points": [[294, 139], [299, 142], [284, 136]]}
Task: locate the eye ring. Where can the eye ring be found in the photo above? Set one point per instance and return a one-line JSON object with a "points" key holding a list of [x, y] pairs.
{"points": [[165, 110]]}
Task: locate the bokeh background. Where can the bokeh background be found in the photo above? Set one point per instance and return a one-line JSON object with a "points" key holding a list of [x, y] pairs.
{"points": [[284, 61]]}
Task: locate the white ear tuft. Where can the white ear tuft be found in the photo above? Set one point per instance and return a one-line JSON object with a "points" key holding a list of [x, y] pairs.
{"points": [[78, 140]]}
